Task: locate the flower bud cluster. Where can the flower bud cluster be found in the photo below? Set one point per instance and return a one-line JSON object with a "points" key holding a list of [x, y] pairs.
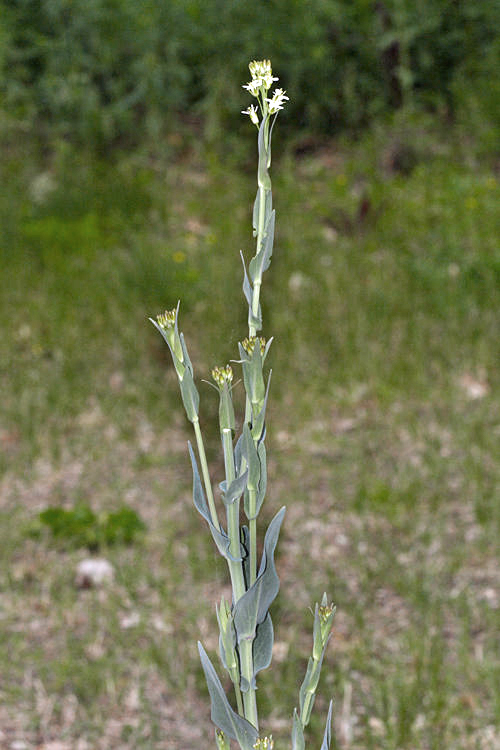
{"points": [[323, 621], [248, 344], [262, 76], [220, 738], [167, 319], [223, 375], [167, 324], [253, 351], [266, 743]]}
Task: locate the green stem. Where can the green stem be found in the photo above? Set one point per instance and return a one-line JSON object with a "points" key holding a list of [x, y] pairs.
{"points": [[255, 304], [239, 701], [252, 526], [248, 406], [233, 518], [310, 692], [249, 697], [236, 570], [205, 473]]}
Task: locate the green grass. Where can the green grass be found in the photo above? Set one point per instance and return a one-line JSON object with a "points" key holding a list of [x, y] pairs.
{"points": [[384, 298]]}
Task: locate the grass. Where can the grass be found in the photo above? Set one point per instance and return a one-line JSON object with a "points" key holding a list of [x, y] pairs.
{"points": [[385, 307]]}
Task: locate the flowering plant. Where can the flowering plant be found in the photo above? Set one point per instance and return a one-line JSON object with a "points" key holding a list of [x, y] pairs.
{"points": [[245, 625]]}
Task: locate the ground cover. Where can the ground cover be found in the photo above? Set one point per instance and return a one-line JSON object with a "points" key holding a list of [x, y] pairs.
{"points": [[384, 298]]}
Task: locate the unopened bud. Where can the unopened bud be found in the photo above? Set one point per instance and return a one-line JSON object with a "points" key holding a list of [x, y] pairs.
{"points": [[323, 621], [220, 738], [223, 375], [167, 319], [248, 344], [266, 743]]}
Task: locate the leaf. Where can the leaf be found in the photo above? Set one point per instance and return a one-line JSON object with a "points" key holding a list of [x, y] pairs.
{"points": [[298, 742], [221, 539], [190, 396], [263, 646], [249, 452], [251, 609], [235, 489], [245, 543], [261, 493], [327, 738], [187, 361], [255, 213], [262, 174], [309, 687], [262, 260], [255, 321], [268, 205], [252, 374], [258, 425], [269, 242], [247, 288], [223, 716]]}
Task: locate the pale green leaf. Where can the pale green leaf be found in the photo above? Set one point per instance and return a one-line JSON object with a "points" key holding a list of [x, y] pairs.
{"points": [[223, 716]]}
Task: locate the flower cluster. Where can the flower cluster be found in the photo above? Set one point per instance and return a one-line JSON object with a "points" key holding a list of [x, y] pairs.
{"points": [[262, 80], [222, 375], [262, 76], [325, 612], [266, 743], [167, 319], [248, 344], [276, 102]]}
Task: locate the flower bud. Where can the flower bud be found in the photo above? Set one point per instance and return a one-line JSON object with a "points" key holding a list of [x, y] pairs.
{"points": [[251, 111], [266, 743], [248, 344], [167, 319], [323, 620], [220, 739], [223, 376], [167, 322]]}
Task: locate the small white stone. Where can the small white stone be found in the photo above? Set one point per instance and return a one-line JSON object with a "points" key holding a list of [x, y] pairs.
{"points": [[377, 726], [130, 621], [93, 572]]}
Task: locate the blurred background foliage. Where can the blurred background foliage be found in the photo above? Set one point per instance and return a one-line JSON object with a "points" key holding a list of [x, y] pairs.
{"points": [[108, 71]]}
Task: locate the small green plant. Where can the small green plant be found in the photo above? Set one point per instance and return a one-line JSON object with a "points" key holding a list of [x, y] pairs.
{"points": [[81, 527], [246, 630]]}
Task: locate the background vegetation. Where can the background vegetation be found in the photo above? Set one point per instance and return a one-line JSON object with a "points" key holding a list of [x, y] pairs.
{"points": [[96, 69], [127, 182]]}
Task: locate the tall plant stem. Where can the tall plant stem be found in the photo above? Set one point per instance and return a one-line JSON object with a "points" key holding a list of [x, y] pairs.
{"points": [[205, 473], [252, 524], [233, 519], [236, 570]]}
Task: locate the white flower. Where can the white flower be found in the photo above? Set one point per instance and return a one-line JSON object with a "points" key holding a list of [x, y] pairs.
{"points": [[252, 113], [254, 86], [268, 80], [276, 101], [260, 68], [261, 71]]}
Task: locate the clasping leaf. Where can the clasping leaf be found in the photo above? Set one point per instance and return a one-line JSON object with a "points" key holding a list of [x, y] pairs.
{"points": [[223, 716]]}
